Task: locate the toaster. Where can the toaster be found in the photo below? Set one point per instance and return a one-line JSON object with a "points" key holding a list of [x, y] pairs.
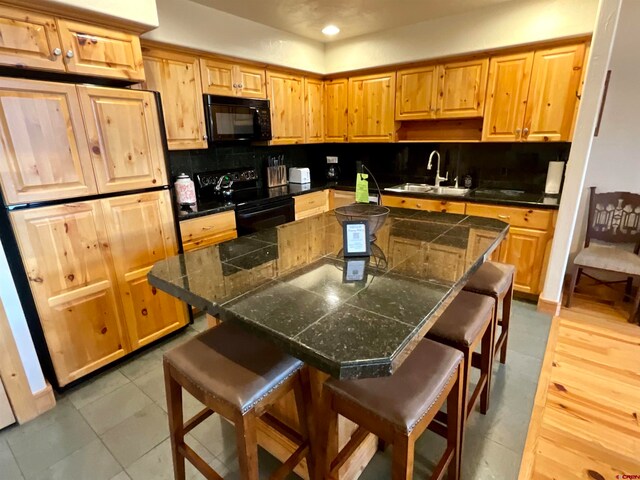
{"points": [[299, 175]]}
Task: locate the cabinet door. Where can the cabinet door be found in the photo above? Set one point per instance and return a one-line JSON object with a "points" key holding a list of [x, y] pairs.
{"points": [[525, 248], [509, 78], [218, 77], [335, 110], [29, 39], [208, 230], [177, 77], [416, 93], [371, 106], [92, 50], [250, 81], [141, 232], [553, 94], [314, 103], [44, 153], [124, 138], [462, 89], [65, 254], [287, 108]]}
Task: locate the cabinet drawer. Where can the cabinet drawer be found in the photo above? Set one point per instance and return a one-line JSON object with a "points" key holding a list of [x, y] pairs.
{"points": [[204, 231], [516, 216], [341, 198], [311, 204], [431, 205]]}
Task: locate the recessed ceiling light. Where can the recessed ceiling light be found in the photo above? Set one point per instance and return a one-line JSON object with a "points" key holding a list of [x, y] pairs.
{"points": [[330, 30]]}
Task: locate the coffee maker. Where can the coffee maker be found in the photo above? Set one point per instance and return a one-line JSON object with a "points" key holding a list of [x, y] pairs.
{"points": [[333, 170]]}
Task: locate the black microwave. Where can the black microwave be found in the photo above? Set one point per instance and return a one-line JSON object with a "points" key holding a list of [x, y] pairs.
{"points": [[236, 119]]}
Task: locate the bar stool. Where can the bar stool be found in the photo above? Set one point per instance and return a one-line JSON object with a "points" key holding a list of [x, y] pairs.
{"points": [[466, 323], [398, 409], [496, 281], [239, 376]]}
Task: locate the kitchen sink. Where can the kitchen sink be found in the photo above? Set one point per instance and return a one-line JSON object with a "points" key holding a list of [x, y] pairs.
{"points": [[424, 188]]}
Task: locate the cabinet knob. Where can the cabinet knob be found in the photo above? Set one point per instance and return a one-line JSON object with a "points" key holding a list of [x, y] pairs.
{"points": [[517, 132], [69, 54], [240, 85], [235, 85], [525, 132], [204, 137], [56, 52], [419, 205]]}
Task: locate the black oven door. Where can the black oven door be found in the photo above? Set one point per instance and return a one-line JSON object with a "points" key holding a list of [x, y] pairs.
{"points": [[271, 213]]}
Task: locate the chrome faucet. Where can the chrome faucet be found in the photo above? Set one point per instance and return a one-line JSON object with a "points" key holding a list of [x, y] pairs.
{"points": [[430, 165]]}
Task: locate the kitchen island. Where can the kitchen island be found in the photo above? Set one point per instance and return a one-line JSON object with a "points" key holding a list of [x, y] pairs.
{"points": [[342, 317]]}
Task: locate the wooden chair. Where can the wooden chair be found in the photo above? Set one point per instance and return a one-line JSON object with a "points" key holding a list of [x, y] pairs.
{"points": [[495, 280], [398, 409], [614, 219], [238, 376]]}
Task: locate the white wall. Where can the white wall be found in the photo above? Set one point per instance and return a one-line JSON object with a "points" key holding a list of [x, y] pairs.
{"points": [[193, 25], [138, 11], [502, 25], [19, 327]]}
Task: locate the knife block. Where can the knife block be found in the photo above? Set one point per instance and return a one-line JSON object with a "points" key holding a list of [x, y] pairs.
{"points": [[276, 176]]}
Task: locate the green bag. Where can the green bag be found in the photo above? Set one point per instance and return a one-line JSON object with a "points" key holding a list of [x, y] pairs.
{"points": [[362, 188]]}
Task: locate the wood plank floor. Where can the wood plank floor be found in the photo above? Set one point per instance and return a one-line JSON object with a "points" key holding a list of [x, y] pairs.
{"points": [[586, 416]]}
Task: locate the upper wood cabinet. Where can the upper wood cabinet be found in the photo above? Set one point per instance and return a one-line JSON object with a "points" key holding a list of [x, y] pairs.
{"points": [[553, 94], [93, 50], [533, 96], [124, 138], [66, 257], [335, 110], [462, 87], [314, 110], [45, 155], [236, 80], [177, 77], [509, 78], [287, 107], [417, 93], [371, 107], [29, 39], [141, 232]]}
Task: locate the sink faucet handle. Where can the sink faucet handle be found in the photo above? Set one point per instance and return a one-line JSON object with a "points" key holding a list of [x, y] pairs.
{"points": [[456, 180]]}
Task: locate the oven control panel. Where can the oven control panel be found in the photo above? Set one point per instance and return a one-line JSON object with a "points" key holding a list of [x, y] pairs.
{"points": [[208, 183]]}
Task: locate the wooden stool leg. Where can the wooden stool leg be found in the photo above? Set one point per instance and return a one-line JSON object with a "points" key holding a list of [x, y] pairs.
{"points": [[455, 426], [486, 363], [301, 391], [403, 457], [506, 317], [327, 428], [577, 271], [636, 305], [468, 355], [247, 440], [176, 426]]}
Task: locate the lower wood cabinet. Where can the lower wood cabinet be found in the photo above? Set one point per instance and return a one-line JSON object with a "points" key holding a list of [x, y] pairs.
{"points": [[86, 263], [311, 204], [445, 206], [340, 198], [208, 230]]}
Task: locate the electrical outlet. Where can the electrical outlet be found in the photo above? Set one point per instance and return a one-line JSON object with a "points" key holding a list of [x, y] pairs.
{"points": [[332, 159]]}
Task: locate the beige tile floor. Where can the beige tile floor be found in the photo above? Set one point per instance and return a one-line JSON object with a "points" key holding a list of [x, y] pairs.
{"points": [[114, 427]]}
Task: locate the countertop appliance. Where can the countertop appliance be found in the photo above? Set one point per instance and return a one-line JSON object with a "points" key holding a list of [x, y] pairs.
{"points": [[299, 175], [237, 119], [256, 208]]}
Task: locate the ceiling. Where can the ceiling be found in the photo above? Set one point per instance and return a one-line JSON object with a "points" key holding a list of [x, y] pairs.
{"points": [[353, 17]]}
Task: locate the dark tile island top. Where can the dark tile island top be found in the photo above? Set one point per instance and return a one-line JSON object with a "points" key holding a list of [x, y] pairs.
{"points": [[349, 318]]}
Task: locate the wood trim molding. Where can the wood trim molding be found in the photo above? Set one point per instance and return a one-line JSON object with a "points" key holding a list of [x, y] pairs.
{"points": [[549, 307], [25, 404]]}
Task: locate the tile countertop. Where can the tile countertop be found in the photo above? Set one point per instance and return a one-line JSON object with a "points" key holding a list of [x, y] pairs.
{"points": [[291, 285]]}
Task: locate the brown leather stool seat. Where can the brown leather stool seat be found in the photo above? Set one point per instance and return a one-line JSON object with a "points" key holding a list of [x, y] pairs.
{"points": [[495, 280], [467, 322], [237, 375], [398, 409]]}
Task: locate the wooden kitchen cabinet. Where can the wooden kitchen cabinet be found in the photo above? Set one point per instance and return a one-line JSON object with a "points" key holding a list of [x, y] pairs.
{"points": [[92, 50], [29, 39], [285, 92], [335, 110], [341, 198], [177, 77], [209, 230], [462, 87], [220, 77], [141, 232], [532, 96], [371, 108], [311, 204], [124, 138], [314, 110], [45, 154], [432, 205], [417, 93], [67, 260]]}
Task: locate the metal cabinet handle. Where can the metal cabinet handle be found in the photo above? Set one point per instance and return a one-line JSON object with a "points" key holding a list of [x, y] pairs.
{"points": [[56, 52], [69, 54], [504, 217]]}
